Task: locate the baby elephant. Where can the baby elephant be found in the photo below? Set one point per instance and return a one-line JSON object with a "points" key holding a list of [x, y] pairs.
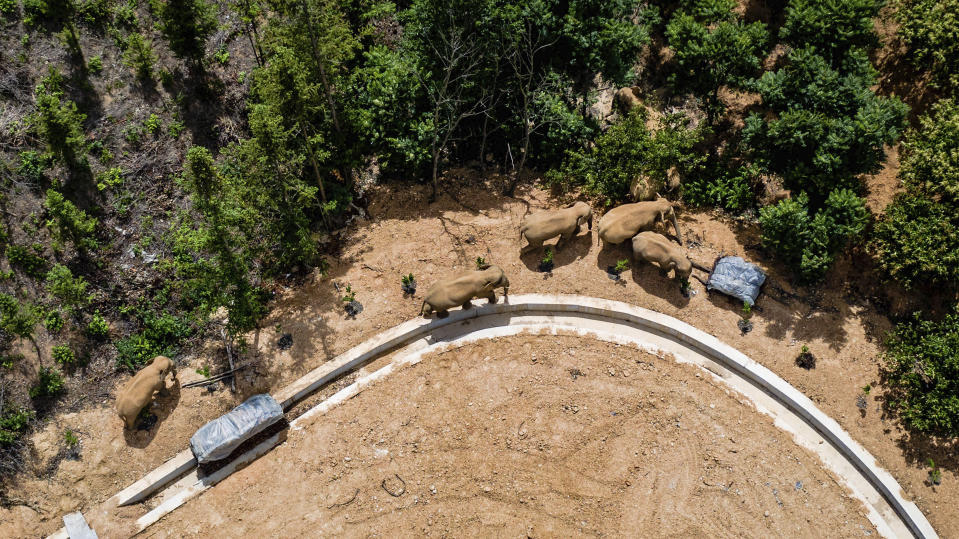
{"points": [[564, 223], [460, 290], [138, 392], [623, 222], [660, 250]]}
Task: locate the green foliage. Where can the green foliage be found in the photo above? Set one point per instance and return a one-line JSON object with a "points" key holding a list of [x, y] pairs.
{"points": [[53, 321], [747, 310], [175, 128], [35, 12], [17, 318], [67, 222], [917, 242], [929, 29], [708, 56], [828, 127], [930, 160], [98, 328], [27, 260], [935, 474], [153, 124], [204, 371], [349, 296], [95, 65], [139, 56], [548, 257], [13, 423], [63, 355], [187, 24], [626, 151], [72, 291], [70, 439], [481, 263], [49, 383], [33, 165], [831, 26], [110, 179], [59, 122], [9, 9], [808, 243], [621, 265], [161, 335], [95, 13], [922, 371], [222, 56], [718, 185]]}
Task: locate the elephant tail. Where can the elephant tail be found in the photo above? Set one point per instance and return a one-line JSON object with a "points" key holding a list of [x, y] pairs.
{"points": [[423, 308], [672, 215]]}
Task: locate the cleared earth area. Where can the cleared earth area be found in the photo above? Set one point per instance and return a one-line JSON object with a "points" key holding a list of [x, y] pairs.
{"points": [[537, 436]]}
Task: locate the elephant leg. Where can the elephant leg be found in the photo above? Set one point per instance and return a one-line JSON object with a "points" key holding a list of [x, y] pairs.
{"points": [[564, 239], [468, 305], [533, 245], [442, 313], [491, 297]]}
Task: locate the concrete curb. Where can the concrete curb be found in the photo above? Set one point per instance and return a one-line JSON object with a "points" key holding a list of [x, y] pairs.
{"points": [[423, 332]]}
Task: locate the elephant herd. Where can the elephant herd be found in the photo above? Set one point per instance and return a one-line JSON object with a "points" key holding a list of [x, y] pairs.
{"points": [[637, 221]]}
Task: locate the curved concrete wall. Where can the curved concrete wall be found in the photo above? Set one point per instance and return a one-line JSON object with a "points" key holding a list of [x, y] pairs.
{"points": [[598, 318]]}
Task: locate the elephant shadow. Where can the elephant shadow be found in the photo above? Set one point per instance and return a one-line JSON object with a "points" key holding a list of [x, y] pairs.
{"points": [[566, 254], [146, 427]]}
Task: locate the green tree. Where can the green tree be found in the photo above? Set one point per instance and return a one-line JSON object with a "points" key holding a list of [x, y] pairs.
{"points": [[72, 291], [707, 57], [67, 222], [139, 56], [832, 27], [187, 24], [929, 29], [922, 370], [59, 122]]}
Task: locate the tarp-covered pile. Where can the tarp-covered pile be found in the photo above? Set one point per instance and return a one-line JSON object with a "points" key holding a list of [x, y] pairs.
{"points": [[734, 276], [218, 438]]}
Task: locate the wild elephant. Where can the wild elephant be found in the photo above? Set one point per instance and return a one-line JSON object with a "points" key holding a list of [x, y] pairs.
{"points": [[138, 392], [460, 290], [657, 249], [564, 223], [623, 222]]}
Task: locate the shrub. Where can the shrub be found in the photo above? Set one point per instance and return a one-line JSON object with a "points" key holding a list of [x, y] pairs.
{"points": [[33, 165], [9, 9], [922, 371], [222, 56], [626, 151], [63, 355], [808, 244], [59, 122], [730, 189], [139, 56], [187, 24], [930, 160], [27, 260], [929, 29], [94, 13], [161, 335], [37, 11], [13, 423], [98, 328], [69, 222], [153, 124], [53, 321], [917, 242], [49, 383], [95, 65], [110, 179], [832, 27], [708, 56], [72, 291], [16, 318]]}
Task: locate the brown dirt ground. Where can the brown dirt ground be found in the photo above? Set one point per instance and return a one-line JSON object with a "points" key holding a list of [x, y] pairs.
{"points": [[840, 323], [499, 439]]}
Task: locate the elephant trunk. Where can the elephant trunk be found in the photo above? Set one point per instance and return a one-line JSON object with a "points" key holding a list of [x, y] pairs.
{"points": [[672, 215], [425, 309]]}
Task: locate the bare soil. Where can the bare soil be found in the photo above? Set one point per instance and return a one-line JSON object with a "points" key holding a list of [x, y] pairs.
{"points": [[842, 323], [532, 436]]}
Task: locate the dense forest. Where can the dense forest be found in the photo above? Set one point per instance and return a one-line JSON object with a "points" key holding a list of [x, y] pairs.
{"points": [[164, 161]]}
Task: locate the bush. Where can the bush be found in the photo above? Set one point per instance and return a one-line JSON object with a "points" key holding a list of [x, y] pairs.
{"points": [[110, 179], [187, 24], [922, 371], [37, 11], [930, 160], [627, 151], [160, 336], [808, 244], [13, 423], [929, 29], [917, 242], [72, 291], [16, 318], [98, 328], [63, 355], [95, 65], [27, 260], [709, 56], [53, 321], [139, 56], [720, 186], [59, 122], [95, 13], [831, 27], [33, 165], [69, 222], [153, 124], [49, 383], [9, 9], [829, 125]]}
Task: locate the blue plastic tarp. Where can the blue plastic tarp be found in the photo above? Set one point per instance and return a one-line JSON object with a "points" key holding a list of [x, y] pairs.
{"points": [[734, 276], [218, 438]]}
